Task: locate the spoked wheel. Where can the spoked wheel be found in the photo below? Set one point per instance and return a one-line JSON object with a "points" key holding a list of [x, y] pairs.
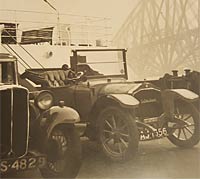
{"points": [[118, 134], [63, 153], [185, 132]]}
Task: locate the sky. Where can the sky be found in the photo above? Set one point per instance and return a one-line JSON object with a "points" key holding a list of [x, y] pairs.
{"points": [[117, 10]]}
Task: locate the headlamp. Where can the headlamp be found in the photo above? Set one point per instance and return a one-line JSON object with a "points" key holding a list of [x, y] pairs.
{"points": [[44, 100]]}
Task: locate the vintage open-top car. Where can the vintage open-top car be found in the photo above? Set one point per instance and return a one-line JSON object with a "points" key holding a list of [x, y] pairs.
{"points": [[34, 132], [119, 113]]}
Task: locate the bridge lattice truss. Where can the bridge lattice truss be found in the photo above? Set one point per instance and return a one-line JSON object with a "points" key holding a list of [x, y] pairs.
{"points": [[161, 35]]}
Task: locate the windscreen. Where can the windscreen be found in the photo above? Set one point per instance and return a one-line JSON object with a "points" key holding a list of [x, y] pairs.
{"points": [[7, 73], [101, 63]]}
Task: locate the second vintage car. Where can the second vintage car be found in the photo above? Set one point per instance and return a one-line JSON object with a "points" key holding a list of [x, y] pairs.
{"points": [[120, 113]]}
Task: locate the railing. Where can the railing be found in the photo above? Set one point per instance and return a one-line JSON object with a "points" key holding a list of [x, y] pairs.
{"points": [[57, 29]]}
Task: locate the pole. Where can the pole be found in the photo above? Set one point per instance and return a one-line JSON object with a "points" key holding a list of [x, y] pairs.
{"points": [[1, 30], [58, 19]]}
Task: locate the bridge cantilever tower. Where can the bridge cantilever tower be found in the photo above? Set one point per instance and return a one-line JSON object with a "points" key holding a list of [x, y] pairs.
{"points": [[161, 35]]}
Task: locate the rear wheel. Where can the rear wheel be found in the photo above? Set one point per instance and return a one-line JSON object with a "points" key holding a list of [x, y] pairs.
{"points": [[118, 134], [185, 132], [63, 153]]}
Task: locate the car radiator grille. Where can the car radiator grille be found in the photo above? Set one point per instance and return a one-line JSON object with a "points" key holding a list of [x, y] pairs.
{"points": [[14, 121], [150, 103]]}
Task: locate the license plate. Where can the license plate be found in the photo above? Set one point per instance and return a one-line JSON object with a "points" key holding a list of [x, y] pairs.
{"points": [[21, 164], [159, 133]]}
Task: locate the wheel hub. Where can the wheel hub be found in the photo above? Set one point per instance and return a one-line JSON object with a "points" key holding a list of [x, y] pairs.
{"points": [[116, 138], [116, 135]]}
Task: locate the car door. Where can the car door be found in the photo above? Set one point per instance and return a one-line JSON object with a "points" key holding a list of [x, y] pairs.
{"points": [[83, 100]]}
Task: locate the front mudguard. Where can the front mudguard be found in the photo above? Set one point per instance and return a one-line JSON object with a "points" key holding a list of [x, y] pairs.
{"points": [[58, 115], [124, 100], [48, 120], [169, 97]]}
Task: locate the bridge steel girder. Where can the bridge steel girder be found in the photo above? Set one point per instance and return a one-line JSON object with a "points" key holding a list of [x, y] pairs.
{"points": [[161, 35]]}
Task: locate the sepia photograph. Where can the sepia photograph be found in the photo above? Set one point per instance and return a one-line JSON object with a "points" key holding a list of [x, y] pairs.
{"points": [[100, 89]]}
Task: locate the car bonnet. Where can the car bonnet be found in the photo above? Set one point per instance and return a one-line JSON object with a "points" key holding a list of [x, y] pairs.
{"points": [[119, 88]]}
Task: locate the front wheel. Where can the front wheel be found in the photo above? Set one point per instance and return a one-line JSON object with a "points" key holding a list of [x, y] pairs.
{"points": [[63, 152], [118, 134], [185, 132]]}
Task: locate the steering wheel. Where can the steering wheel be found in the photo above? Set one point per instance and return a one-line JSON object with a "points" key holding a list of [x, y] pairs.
{"points": [[79, 75]]}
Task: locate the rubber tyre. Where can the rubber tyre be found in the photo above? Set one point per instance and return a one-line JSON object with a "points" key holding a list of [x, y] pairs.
{"points": [[72, 155], [132, 140], [195, 137]]}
